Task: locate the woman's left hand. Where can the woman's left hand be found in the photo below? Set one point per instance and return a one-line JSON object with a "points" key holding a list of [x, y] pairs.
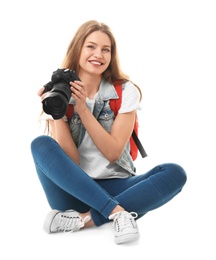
{"points": [[79, 94]]}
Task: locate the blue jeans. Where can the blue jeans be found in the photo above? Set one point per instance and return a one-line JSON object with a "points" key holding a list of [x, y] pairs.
{"points": [[67, 186]]}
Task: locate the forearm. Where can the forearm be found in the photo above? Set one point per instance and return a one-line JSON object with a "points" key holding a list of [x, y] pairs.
{"points": [[61, 133], [110, 146]]}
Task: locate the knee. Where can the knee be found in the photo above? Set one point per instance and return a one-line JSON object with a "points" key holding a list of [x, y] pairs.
{"points": [[179, 173], [38, 141]]}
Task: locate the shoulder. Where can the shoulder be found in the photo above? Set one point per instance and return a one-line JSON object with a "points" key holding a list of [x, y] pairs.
{"points": [[130, 97], [130, 90]]}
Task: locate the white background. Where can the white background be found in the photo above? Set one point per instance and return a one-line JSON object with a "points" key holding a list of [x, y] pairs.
{"points": [[168, 49]]}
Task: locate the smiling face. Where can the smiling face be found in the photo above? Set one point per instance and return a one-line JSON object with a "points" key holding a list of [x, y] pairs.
{"points": [[95, 54]]}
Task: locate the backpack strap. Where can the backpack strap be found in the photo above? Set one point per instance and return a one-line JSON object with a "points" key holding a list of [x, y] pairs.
{"points": [[138, 144], [115, 105], [70, 111]]}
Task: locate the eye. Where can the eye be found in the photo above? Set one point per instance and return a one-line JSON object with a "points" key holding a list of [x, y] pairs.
{"points": [[106, 50], [90, 46]]}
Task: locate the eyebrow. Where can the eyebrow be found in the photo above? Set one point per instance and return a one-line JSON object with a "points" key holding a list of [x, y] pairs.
{"points": [[107, 46]]}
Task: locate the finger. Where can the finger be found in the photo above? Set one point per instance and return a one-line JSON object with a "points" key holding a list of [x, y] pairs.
{"points": [[78, 83], [40, 92], [76, 91]]}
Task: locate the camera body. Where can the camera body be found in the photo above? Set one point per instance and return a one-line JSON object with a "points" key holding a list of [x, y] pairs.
{"points": [[56, 101]]}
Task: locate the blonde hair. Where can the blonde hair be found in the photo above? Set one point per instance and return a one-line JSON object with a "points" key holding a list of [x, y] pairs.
{"points": [[113, 73]]}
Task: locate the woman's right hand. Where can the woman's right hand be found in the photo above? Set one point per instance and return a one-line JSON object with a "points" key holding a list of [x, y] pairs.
{"points": [[40, 92]]}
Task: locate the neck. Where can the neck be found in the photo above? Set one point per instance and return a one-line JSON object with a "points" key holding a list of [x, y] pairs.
{"points": [[92, 84]]}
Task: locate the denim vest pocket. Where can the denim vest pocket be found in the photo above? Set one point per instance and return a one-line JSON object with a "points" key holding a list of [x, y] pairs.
{"points": [[106, 118]]}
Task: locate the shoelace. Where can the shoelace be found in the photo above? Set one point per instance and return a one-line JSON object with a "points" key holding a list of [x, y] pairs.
{"points": [[71, 224], [124, 220]]}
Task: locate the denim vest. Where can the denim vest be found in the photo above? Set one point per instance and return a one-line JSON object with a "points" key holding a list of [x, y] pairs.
{"points": [[105, 116]]}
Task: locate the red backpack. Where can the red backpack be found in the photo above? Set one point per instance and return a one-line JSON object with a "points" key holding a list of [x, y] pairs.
{"points": [[115, 105]]}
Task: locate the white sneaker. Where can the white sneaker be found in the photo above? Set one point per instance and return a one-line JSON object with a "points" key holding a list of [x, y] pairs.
{"points": [[126, 227], [68, 221]]}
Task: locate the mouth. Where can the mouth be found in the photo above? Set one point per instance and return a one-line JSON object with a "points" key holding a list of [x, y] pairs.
{"points": [[94, 62]]}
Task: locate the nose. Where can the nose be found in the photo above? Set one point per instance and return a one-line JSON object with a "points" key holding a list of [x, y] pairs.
{"points": [[98, 54]]}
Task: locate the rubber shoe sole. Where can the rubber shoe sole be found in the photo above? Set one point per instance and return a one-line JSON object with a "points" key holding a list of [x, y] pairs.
{"points": [[127, 238]]}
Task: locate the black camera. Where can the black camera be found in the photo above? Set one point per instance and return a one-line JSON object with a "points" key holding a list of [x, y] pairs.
{"points": [[56, 102]]}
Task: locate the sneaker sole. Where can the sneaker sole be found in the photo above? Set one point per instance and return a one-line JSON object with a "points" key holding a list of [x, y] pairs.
{"points": [[127, 238], [48, 221]]}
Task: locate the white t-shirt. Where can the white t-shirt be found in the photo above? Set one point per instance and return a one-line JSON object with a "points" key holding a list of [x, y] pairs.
{"points": [[91, 159]]}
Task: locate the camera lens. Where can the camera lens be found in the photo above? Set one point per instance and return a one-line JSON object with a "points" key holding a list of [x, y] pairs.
{"points": [[56, 102]]}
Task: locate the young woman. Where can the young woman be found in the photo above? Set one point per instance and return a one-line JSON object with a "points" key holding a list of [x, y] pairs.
{"points": [[84, 164]]}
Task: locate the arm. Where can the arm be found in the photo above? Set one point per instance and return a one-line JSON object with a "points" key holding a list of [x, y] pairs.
{"points": [[112, 144], [60, 131]]}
